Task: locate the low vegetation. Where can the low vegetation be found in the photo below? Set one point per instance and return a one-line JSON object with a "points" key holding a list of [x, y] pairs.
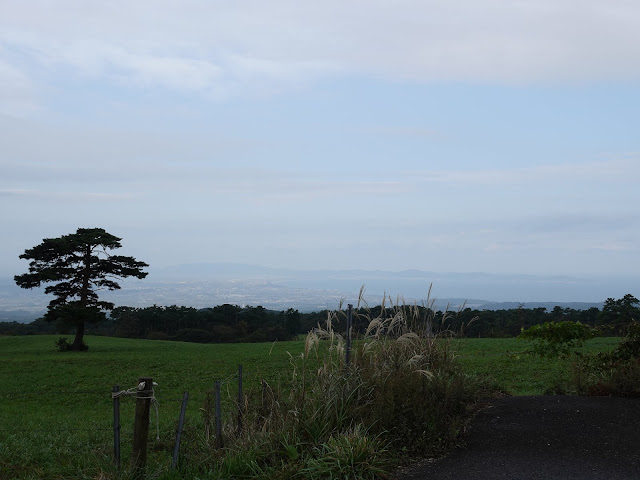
{"points": [[409, 388], [509, 363], [314, 416], [604, 372]]}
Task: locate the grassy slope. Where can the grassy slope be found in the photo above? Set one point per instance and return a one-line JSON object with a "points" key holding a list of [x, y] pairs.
{"points": [[56, 409]]}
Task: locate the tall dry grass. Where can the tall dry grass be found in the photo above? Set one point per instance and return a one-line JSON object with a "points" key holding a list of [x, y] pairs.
{"points": [[402, 394]]}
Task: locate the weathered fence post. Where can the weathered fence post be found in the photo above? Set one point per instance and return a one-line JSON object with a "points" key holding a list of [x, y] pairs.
{"points": [[141, 425], [176, 447], [219, 441], [349, 321], [240, 400], [116, 427]]}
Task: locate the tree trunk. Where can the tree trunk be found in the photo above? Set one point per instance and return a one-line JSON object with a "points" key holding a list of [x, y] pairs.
{"points": [[84, 293], [76, 346]]}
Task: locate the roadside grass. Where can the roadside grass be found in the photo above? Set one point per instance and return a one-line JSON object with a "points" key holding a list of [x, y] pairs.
{"points": [[56, 408], [514, 370]]}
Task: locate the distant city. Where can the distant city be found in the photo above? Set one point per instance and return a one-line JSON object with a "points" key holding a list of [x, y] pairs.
{"points": [[207, 285]]}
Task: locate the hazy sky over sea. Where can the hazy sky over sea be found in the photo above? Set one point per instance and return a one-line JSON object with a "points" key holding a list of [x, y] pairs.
{"points": [[493, 136]]}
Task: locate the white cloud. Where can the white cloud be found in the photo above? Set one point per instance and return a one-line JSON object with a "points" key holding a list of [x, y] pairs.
{"points": [[428, 168], [145, 70], [221, 47]]}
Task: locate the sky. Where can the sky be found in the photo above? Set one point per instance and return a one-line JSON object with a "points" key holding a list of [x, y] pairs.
{"points": [[496, 136]]}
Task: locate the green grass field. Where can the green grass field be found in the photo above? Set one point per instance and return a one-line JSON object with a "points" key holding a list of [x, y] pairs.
{"points": [[56, 409], [516, 372]]}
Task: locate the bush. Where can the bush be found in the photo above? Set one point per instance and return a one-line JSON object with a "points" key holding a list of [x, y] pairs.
{"points": [[64, 346], [557, 339], [354, 454], [629, 347], [619, 378], [617, 372]]}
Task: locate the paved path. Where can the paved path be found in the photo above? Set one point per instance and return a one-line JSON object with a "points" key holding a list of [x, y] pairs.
{"points": [[551, 437]]}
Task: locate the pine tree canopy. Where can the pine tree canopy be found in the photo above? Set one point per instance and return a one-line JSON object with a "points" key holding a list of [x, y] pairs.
{"points": [[78, 265]]}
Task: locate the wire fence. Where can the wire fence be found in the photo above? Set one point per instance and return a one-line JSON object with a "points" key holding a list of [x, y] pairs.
{"points": [[61, 424]]}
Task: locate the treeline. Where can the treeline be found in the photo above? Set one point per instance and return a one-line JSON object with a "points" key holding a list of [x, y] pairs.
{"points": [[467, 322], [611, 320], [37, 327], [221, 324], [232, 323]]}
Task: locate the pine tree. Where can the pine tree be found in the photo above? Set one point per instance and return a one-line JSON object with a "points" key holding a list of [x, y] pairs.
{"points": [[78, 264]]}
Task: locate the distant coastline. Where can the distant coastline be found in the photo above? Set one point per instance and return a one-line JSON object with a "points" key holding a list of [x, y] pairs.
{"points": [[205, 285]]}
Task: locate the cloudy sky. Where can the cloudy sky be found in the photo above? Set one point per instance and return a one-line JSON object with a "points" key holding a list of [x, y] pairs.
{"points": [[498, 136]]}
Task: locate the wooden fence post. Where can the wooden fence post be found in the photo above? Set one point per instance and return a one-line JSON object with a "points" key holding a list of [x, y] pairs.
{"points": [[116, 427], [141, 425], [219, 441], [240, 400], [176, 447]]}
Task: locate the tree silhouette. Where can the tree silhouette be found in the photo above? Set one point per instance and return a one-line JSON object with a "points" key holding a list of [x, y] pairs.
{"points": [[78, 264]]}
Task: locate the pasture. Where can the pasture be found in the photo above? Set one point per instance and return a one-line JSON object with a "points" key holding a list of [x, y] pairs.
{"points": [[56, 408], [516, 372]]}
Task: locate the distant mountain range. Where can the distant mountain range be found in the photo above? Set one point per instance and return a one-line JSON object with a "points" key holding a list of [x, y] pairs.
{"points": [[205, 285]]}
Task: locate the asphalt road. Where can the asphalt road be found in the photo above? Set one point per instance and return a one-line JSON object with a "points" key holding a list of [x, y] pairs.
{"points": [[550, 437]]}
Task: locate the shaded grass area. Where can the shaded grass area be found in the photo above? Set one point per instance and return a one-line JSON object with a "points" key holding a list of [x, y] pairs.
{"points": [[516, 372]]}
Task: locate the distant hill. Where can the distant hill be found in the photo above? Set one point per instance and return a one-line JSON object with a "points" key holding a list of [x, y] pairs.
{"points": [[414, 284], [21, 316]]}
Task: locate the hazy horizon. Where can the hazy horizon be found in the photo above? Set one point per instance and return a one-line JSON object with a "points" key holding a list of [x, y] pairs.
{"points": [[206, 285]]}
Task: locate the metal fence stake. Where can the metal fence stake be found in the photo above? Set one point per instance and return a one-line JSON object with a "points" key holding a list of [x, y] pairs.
{"points": [[176, 447], [240, 402], [219, 441], [116, 427]]}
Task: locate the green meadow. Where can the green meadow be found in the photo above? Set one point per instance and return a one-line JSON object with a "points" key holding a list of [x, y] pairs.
{"points": [[516, 372], [56, 410]]}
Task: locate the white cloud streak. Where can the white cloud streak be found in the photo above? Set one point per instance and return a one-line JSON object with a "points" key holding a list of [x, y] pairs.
{"points": [[221, 48]]}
